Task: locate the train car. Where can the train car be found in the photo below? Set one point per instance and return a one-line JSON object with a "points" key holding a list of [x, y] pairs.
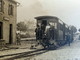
{"points": [[54, 31]]}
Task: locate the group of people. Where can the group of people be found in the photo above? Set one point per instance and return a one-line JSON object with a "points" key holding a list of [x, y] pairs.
{"points": [[41, 31], [50, 31], [39, 34], [44, 33]]}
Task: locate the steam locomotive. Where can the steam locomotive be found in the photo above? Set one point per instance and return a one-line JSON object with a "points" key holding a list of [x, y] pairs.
{"points": [[53, 31]]}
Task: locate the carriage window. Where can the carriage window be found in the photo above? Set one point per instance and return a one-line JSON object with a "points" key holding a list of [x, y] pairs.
{"points": [[66, 26], [60, 22], [39, 24], [53, 24]]}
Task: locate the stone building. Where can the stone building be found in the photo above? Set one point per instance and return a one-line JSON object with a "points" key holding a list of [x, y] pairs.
{"points": [[8, 17]]}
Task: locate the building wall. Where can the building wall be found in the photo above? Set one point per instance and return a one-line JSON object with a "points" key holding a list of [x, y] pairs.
{"points": [[7, 20]]}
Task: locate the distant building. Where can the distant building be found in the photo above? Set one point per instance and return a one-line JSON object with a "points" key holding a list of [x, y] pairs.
{"points": [[8, 17]]}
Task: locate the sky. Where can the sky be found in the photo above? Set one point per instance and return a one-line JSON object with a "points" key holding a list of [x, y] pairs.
{"points": [[67, 10]]}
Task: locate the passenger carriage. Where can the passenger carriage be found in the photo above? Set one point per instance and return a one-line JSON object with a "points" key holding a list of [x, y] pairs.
{"points": [[60, 30]]}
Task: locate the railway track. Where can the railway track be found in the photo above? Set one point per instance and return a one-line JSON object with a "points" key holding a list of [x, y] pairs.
{"points": [[23, 55]]}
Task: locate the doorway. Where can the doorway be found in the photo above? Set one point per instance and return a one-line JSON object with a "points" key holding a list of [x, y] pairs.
{"points": [[1, 30], [10, 34], [44, 22], [43, 25]]}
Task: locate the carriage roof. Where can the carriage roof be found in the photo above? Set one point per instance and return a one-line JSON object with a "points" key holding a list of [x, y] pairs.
{"points": [[51, 18], [46, 17]]}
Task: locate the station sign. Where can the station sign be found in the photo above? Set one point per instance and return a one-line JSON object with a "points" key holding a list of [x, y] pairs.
{"points": [[6, 18]]}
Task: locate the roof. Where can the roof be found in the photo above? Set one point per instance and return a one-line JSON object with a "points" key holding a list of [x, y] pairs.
{"points": [[45, 17], [13, 1]]}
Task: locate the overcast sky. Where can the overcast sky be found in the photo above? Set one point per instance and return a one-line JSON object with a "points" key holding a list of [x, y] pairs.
{"points": [[67, 10]]}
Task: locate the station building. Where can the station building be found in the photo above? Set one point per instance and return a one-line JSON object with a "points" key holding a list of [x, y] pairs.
{"points": [[8, 17]]}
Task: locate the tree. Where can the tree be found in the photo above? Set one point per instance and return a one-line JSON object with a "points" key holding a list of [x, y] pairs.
{"points": [[21, 26], [79, 30], [74, 29]]}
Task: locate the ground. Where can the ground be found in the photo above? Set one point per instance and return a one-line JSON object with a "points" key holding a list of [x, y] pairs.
{"points": [[66, 52]]}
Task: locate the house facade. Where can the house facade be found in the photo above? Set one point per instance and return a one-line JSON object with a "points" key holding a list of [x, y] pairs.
{"points": [[8, 17]]}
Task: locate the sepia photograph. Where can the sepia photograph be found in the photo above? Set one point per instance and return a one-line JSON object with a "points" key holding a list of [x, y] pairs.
{"points": [[39, 30]]}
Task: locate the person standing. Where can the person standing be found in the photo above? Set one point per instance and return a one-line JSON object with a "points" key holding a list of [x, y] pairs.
{"points": [[18, 39], [37, 32], [68, 39], [79, 37]]}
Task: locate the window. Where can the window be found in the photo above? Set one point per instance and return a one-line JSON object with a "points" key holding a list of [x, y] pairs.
{"points": [[53, 24], [60, 26], [1, 6], [10, 10]]}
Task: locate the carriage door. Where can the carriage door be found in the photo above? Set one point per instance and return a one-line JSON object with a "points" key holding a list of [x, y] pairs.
{"points": [[44, 23], [10, 34], [1, 30]]}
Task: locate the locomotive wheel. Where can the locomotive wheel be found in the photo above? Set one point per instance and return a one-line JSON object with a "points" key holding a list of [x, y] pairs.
{"points": [[52, 47], [45, 46]]}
